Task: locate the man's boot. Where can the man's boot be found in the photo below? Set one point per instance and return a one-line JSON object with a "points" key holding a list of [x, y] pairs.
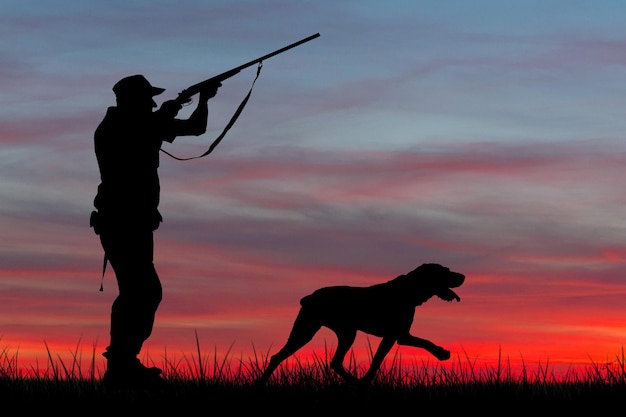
{"points": [[127, 372]]}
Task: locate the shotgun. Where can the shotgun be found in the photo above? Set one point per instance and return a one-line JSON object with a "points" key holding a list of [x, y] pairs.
{"points": [[185, 95]]}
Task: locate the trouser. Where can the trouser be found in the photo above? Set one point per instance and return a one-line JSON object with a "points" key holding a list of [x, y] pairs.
{"points": [[130, 254]]}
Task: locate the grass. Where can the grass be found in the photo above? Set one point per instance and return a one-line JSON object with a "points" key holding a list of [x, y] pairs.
{"points": [[205, 383]]}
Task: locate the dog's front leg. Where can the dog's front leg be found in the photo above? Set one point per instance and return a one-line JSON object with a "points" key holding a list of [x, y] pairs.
{"points": [[437, 351], [384, 347]]}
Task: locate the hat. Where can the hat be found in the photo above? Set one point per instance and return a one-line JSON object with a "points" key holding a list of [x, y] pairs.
{"points": [[135, 85]]}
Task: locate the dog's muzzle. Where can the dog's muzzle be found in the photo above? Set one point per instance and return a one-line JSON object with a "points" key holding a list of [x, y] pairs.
{"points": [[455, 280]]}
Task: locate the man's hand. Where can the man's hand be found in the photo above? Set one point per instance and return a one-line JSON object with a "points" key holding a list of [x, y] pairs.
{"points": [[170, 108], [209, 92]]}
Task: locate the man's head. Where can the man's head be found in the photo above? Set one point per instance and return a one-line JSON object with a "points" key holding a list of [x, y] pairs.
{"points": [[135, 91]]}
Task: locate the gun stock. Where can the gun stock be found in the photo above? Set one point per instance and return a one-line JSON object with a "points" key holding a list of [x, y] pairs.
{"points": [[185, 95]]}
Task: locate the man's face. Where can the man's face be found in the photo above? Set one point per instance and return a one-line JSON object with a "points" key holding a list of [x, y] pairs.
{"points": [[137, 104]]}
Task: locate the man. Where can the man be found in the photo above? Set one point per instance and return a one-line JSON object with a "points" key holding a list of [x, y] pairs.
{"points": [[127, 144]]}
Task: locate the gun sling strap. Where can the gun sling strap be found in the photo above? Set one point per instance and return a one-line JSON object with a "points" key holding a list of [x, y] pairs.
{"points": [[230, 124]]}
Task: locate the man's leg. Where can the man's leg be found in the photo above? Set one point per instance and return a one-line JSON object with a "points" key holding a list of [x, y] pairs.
{"points": [[133, 311]]}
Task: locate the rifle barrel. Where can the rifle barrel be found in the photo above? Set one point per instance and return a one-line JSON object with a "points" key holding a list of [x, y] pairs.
{"points": [[185, 95], [276, 52]]}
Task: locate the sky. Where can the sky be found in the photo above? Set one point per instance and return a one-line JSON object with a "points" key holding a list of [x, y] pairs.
{"points": [[486, 136]]}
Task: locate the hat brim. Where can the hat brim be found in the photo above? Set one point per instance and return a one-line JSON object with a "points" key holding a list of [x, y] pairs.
{"points": [[156, 91]]}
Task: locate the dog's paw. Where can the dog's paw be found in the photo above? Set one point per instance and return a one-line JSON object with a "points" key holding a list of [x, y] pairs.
{"points": [[366, 381], [442, 354]]}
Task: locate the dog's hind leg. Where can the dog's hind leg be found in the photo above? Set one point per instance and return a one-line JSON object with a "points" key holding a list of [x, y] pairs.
{"points": [[384, 347], [345, 339], [303, 330], [437, 351]]}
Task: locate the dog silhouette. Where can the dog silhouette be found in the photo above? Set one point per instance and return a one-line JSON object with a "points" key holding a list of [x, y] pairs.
{"points": [[384, 310]]}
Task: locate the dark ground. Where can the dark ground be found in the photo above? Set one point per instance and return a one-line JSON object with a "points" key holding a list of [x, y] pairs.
{"points": [[88, 399]]}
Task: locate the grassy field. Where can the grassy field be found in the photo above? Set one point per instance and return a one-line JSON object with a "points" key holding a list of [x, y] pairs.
{"points": [[205, 384]]}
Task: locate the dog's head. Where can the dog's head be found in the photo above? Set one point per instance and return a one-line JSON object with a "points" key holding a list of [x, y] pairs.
{"points": [[431, 279]]}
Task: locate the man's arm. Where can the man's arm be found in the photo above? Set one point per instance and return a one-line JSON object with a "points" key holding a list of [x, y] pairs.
{"points": [[195, 125]]}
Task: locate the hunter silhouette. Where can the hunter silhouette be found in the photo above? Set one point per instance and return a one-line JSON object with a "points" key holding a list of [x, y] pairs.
{"points": [[127, 144]]}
